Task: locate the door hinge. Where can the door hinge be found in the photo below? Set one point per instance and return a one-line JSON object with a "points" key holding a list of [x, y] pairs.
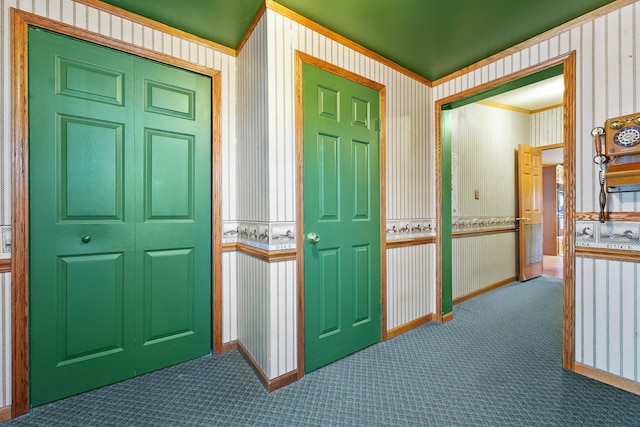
{"points": [[376, 125]]}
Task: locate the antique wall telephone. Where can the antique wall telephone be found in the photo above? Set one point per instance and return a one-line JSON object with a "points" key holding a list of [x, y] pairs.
{"points": [[620, 161]]}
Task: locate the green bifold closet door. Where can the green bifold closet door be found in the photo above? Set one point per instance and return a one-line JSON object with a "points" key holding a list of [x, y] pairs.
{"points": [[120, 215]]}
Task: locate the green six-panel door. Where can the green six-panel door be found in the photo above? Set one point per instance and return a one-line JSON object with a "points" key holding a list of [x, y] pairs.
{"points": [[173, 215], [341, 206], [119, 269]]}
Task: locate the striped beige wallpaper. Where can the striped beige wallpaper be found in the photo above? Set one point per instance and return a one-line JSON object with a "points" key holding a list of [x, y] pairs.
{"points": [[229, 296], [5, 339], [607, 320], [486, 140], [546, 127], [481, 261], [254, 309], [410, 276], [253, 151], [410, 162]]}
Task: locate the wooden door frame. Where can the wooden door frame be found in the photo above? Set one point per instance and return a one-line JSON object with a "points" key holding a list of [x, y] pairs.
{"points": [[568, 62], [555, 147], [20, 21], [300, 58]]}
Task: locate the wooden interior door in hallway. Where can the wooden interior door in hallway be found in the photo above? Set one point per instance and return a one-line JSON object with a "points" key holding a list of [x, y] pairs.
{"points": [[530, 211]]}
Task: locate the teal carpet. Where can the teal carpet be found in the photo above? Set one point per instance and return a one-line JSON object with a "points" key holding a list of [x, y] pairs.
{"points": [[497, 363]]}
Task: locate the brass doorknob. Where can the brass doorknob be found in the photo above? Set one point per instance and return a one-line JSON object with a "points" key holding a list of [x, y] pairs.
{"points": [[85, 239], [313, 238]]}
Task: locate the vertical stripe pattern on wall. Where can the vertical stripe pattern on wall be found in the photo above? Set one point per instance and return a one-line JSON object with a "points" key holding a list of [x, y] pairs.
{"points": [[410, 163], [410, 273], [609, 293], [91, 19], [282, 322], [266, 314], [5, 340], [547, 127], [486, 140], [253, 162], [607, 79], [254, 309], [481, 261], [229, 297]]}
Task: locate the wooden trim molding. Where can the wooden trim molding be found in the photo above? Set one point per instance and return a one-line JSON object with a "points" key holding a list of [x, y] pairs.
{"points": [[446, 317], [516, 109], [439, 212], [229, 247], [607, 378], [296, 17], [551, 146], [20, 21], [617, 4], [216, 206], [300, 210], [478, 233], [609, 216], [505, 79], [229, 346], [494, 104], [383, 207], [569, 162], [5, 413], [82, 34], [290, 254], [399, 330], [550, 107], [608, 254], [19, 215], [5, 265], [254, 24], [138, 19], [484, 290], [265, 255], [392, 244], [270, 385], [300, 58]]}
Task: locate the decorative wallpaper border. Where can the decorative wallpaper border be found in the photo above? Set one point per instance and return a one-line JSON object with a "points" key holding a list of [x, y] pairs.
{"points": [[402, 229], [274, 236], [480, 223], [621, 235], [5, 241], [281, 235]]}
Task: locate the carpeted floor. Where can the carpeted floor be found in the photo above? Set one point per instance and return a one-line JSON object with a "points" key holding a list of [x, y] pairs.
{"points": [[497, 363]]}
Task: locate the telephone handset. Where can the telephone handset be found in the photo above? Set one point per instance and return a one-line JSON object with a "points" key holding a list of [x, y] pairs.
{"points": [[621, 153]]}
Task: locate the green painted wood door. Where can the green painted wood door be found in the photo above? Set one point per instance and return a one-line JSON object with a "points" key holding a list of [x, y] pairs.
{"points": [[342, 206], [120, 251]]}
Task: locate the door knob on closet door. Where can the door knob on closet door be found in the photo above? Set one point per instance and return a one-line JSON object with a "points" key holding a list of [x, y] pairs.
{"points": [[313, 238]]}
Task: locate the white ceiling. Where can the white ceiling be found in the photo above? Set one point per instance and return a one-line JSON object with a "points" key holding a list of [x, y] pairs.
{"points": [[536, 96]]}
